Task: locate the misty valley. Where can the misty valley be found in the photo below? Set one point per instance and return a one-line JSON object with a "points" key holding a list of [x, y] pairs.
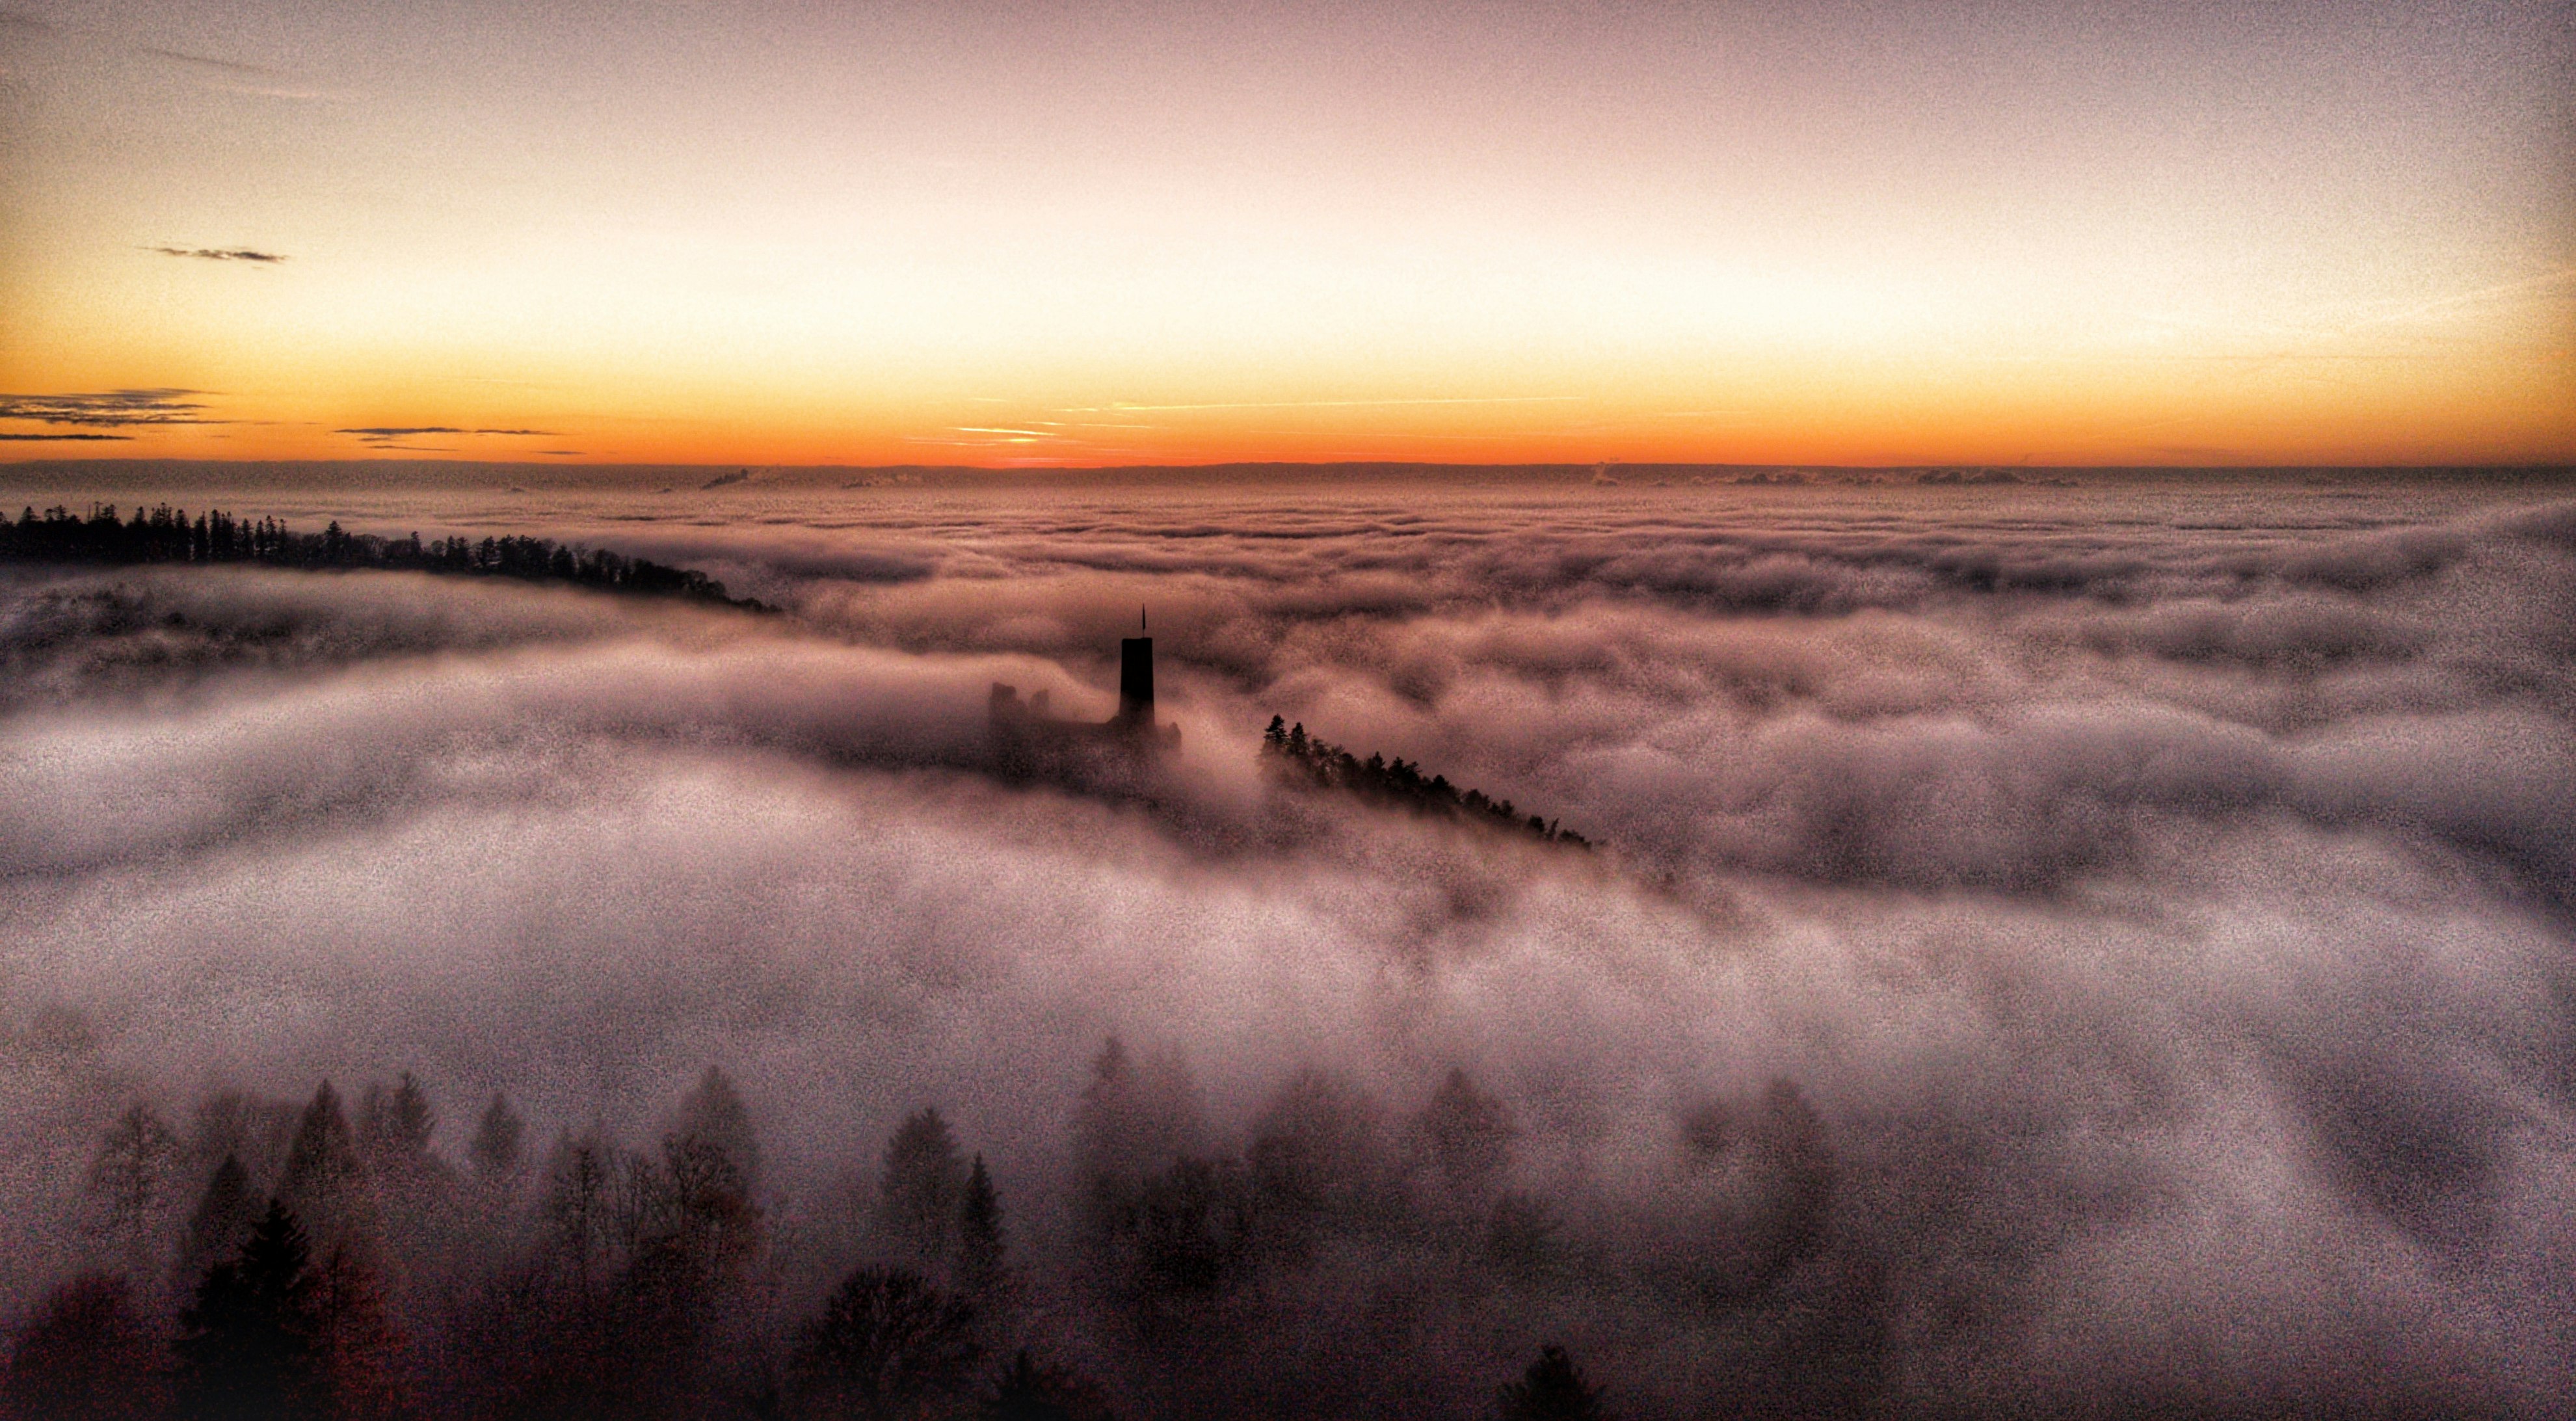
{"points": [[1573, 950]]}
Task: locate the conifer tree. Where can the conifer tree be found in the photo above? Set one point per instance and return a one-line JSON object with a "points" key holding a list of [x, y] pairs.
{"points": [[1553, 1389], [223, 1217], [920, 1190], [980, 1245], [1135, 1117], [498, 1150], [128, 1183], [394, 1129], [1316, 1149], [248, 1346], [324, 1182]]}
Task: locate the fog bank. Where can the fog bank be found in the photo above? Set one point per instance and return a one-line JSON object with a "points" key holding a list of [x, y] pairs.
{"points": [[2088, 951]]}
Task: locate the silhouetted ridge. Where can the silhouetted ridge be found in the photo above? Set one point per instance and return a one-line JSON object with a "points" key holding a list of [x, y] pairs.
{"points": [[167, 535], [1304, 759]]}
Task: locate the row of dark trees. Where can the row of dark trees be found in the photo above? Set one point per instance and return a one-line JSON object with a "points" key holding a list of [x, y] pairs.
{"points": [[164, 534], [326, 1262], [1310, 760]]}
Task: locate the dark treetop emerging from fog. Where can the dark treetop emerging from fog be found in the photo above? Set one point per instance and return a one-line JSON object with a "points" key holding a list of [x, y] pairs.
{"points": [[166, 535]]}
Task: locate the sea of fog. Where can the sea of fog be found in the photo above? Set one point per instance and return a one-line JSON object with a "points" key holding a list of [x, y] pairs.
{"points": [[2051, 948]]}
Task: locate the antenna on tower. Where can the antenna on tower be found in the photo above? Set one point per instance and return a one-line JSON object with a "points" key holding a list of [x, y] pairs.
{"points": [[1140, 617]]}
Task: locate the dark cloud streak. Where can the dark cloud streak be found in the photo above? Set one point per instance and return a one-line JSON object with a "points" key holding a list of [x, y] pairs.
{"points": [[220, 254], [389, 436], [112, 408], [212, 65]]}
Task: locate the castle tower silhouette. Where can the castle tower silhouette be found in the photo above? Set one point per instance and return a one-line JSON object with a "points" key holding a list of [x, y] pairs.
{"points": [[1027, 737], [1136, 679]]}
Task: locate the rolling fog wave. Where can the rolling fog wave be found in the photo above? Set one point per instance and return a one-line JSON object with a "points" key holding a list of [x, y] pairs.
{"points": [[2104, 952]]}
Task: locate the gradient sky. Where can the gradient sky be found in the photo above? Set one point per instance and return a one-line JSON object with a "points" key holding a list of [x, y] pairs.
{"points": [[1003, 233]]}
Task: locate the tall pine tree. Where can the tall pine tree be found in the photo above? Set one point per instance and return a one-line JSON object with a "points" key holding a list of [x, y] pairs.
{"points": [[249, 1345]]}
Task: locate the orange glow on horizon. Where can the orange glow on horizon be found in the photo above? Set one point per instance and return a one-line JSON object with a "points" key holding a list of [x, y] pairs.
{"points": [[1910, 239]]}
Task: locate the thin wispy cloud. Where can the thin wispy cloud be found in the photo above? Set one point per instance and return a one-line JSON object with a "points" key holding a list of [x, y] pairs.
{"points": [[284, 91], [1122, 407], [63, 438], [392, 437], [2502, 290], [111, 408], [211, 64], [230, 76], [221, 254], [398, 431]]}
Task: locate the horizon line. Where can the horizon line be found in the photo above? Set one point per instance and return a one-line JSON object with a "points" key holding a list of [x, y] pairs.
{"points": [[1612, 468]]}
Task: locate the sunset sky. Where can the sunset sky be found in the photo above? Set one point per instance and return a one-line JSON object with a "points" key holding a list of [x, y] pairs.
{"points": [[995, 233]]}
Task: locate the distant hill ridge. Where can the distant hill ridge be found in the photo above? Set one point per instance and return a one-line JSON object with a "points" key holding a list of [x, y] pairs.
{"points": [[168, 535]]}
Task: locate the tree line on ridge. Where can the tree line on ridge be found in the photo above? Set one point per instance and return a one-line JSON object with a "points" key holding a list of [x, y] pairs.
{"points": [[164, 534], [1312, 761]]}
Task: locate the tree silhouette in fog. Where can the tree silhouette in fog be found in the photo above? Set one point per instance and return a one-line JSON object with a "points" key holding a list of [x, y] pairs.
{"points": [[639, 1278], [1133, 1119], [888, 1343], [1333, 1261], [231, 1122], [1553, 1389], [1318, 1160], [499, 1148], [224, 1215], [361, 1362], [921, 1190], [394, 1127], [249, 1344], [1294, 757], [1183, 1235], [577, 1213], [128, 1184], [166, 535], [713, 1114], [980, 1270], [701, 1204], [1026, 1390], [692, 1233], [325, 1183], [85, 1354]]}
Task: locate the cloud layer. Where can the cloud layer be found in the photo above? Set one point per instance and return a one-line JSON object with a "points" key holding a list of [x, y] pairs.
{"points": [[112, 408], [2160, 899], [221, 254]]}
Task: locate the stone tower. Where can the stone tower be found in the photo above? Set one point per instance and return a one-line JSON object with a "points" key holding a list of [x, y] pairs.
{"points": [[1136, 681]]}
